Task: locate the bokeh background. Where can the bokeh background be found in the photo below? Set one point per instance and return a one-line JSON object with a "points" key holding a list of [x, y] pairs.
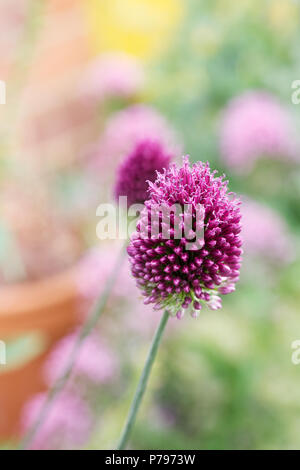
{"points": [[86, 79]]}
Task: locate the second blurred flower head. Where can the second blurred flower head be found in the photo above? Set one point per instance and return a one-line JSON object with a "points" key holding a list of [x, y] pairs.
{"points": [[126, 128], [114, 75], [138, 169]]}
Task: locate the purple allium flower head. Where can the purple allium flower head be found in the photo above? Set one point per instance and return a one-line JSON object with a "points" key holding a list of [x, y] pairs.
{"points": [[68, 424], [114, 75], [173, 270], [264, 233], [95, 361], [139, 167], [255, 125]]}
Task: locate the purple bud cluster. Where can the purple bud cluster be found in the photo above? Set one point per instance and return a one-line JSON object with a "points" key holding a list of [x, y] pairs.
{"points": [[139, 167]]}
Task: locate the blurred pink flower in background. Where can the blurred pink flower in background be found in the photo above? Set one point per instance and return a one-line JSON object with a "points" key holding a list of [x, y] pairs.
{"points": [[97, 266], [265, 233], [126, 128], [255, 125], [113, 75], [95, 361], [142, 320], [68, 424]]}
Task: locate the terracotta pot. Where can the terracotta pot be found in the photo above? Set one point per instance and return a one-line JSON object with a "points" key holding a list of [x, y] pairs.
{"points": [[41, 311]]}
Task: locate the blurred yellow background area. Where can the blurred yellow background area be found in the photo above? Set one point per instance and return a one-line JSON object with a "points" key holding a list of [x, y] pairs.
{"points": [[144, 34]]}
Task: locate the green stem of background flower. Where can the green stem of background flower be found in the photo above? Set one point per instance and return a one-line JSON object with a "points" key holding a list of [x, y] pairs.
{"points": [[143, 382]]}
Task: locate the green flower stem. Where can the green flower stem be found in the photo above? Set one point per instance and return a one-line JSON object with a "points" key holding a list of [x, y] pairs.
{"points": [[86, 329], [143, 382]]}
